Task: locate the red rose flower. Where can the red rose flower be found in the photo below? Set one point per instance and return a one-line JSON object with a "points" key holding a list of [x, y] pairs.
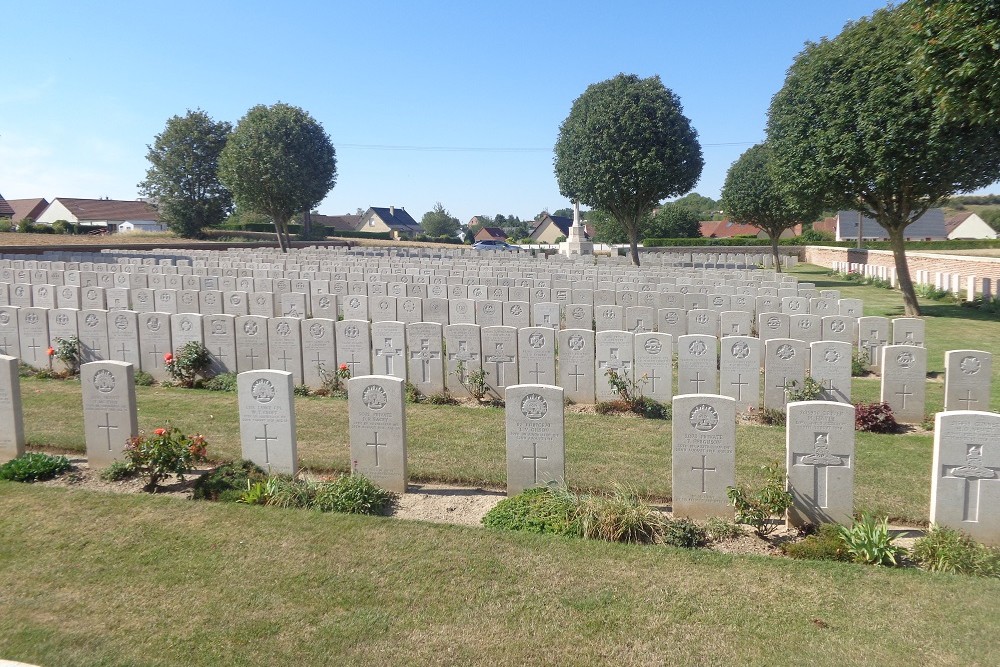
{"points": [[168, 357], [50, 352], [160, 431], [343, 367]]}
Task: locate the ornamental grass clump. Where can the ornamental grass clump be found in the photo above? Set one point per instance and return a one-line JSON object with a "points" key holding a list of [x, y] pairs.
{"points": [[945, 549], [868, 541], [621, 517], [167, 451]]}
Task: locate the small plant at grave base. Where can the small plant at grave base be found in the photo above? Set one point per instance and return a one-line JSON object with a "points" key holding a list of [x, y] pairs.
{"points": [[756, 505], [627, 389], [474, 382], [859, 363], [810, 391], [945, 549], [874, 418], [868, 541], [260, 492], [412, 394], [144, 379], [537, 510], [621, 517], [441, 398], [722, 530], [927, 423], [191, 360], [335, 383], [651, 409], [67, 350], [228, 482], [34, 467], [167, 451], [221, 382], [353, 494], [684, 533], [301, 390], [766, 416], [117, 471], [825, 544]]}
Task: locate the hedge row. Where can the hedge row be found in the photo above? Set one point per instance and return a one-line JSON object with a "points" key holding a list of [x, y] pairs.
{"points": [[297, 229], [868, 245]]}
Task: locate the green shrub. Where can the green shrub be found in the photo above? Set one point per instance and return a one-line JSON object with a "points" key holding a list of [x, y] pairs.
{"points": [[442, 398], [651, 409], [5, 225], [945, 549], [538, 510], [34, 467], [684, 533], [228, 477], [756, 504], [221, 382], [290, 493], [621, 517], [721, 530], [868, 541], [301, 390], [25, 226], [859, 363], [353, 494], [166, 452], [826, 544], [144, 379], [191, 360], [60, 227], [117, 471], [810, 391], [412, 394]]}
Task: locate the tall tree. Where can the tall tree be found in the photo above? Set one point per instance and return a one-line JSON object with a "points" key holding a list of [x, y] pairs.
{"points": [[674, 221], [852, 127], [753, 195], [438, 222], [956, 44], [183, 177], [278, 161], [625, 146]]}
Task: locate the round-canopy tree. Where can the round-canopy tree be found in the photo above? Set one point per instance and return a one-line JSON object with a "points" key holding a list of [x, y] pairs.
{"points": [[183, 177], [438, 223], [278, 161], [626, 146], [752, 195], [852, 126]]}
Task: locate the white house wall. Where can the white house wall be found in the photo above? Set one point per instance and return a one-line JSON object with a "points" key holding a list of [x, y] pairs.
{"points": [[973, 227], [55, 211]]}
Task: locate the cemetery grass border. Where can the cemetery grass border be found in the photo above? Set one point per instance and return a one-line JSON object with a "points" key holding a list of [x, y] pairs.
{"points": [[461, 445], [92, 578]]}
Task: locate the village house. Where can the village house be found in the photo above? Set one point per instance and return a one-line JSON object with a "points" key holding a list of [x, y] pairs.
{"points": [[928, 227], [490, 234], [103, 214], [27, 209], [394, 220], [727, 229], [968, 225]]}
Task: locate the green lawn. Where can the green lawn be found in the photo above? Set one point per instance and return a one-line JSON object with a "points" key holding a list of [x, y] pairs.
{"points": [[96, 579]]}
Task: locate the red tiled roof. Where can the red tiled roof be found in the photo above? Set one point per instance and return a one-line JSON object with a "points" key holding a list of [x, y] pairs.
{"points": [[109, 209], [340, 223], [828, 225], [5, 210], [27, 208]]}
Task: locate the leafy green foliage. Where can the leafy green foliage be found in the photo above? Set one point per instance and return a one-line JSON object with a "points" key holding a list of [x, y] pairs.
{"points": [[117, 471], [868, 541], [826, 544], [228, 481], [353, 494], [853, 128], [874, 418], [756, 504], [221, 382], [810, 390], [945, 549], [684, 533], [721, 530], [859, 363], [144, 379], [277, 162], [752, 194], [167, 451], [67, 350], [674, 221], [624, 147], [191, 360], [537, 510], [183, 177], [34, 467], [439, 223]]}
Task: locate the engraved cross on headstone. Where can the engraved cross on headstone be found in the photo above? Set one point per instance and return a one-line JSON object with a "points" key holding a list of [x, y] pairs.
{"points": [[463, 356], [697, 381], [425, 356], [535, 458], [34, 347], [252, 356], [266, 439], [703, 469], [653, 377], [498, 359], [536, 372], [375, 445], [108, 427], [388, 352], [739, 384], [903, 394], [968, 399], [576, 375], [284, 359], [156, 354]]}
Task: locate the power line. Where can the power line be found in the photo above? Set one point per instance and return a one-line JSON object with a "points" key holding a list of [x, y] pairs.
{"points": [[487, 149]]}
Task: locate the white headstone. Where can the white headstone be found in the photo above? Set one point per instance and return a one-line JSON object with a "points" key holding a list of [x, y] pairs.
{"points": [[739, 371], [267, 420], [704, 455], [654, 366], [830, 365], [109, 410], [377, 413], [819, 445], [904, 379], [967, 378], [576, 364], [11, 417], [536, 452]]}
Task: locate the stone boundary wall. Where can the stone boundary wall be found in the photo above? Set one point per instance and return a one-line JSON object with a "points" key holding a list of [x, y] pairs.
{"points": [[925, 267]]}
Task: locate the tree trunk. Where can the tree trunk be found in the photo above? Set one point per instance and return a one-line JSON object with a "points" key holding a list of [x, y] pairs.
{"points": [[306, 224], [898, 243], [774, 253], [281, 240], [288, 236]]}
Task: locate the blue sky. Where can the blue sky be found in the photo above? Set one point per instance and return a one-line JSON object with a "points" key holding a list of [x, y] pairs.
{"points": [[457, 102]]}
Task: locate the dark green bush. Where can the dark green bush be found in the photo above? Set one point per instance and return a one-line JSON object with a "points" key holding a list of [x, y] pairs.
{"points": [[353, 494], [826, 544], [228, 482], [34, 467], [684, 533], [144, 379], [537, 510], [221, 382], [117, 471]]}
